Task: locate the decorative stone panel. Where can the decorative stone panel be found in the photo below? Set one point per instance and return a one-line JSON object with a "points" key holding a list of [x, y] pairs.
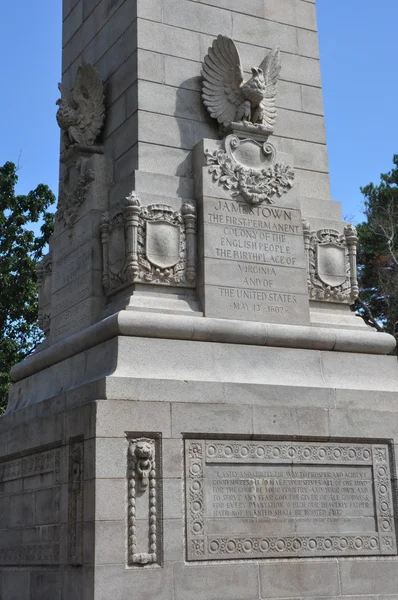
{"points": [[331, 264], [74, 187], [144, 501], [76, 501], [249, 169], [44, 281], [279, 499], [148, 244], [30, 509]]}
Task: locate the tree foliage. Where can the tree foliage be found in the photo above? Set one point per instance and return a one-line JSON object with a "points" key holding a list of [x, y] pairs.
{"points": [[378, 253], [20, 249]]}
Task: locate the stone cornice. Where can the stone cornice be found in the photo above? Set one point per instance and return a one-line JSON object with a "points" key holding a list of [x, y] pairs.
{"points": [[201, 329]]}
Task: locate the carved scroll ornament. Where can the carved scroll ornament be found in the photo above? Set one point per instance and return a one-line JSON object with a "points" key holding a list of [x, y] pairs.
{"points": [[331, 264], [249, 169], [152, 244]]}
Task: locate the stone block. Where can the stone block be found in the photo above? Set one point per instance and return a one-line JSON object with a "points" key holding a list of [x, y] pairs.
{"points": [[233, 582], [111, 499], [120, 583], [307, 42], [170, 161], [159, 37], [252, 30], [179, 72], [277, 395], [300, 126], [290, 421], [314, 184], [172, 454], [173, 504], [46, 585], [304, 579], [173, 535], [122, 79], [167, 100], [306, 155], [151, 66], [211, 419], [15, 584], [115, 418], [195, 16], [251, 7], [149, 9], [312, 100], [110, 458], [363, 423], [110, 542], [72, 22], [370, 577], [166, 184], [177, 133]]}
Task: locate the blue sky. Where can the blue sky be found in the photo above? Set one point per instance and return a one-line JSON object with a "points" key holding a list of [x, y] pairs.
{"points": [[360, 85]]}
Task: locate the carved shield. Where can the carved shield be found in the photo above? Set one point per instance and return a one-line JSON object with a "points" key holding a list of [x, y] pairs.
{"points": [[162, 246], [331, 264]]}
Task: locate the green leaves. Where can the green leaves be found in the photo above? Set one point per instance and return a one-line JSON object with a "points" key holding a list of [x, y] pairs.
{"points": [[20, 249], [378, 252]]}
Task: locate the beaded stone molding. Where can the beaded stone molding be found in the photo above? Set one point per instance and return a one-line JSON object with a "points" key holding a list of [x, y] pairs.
{"points": [[144, 501]]}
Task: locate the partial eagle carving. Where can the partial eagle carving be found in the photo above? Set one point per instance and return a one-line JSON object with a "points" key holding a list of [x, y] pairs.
{"points": [[81, 113], [233, 102]]}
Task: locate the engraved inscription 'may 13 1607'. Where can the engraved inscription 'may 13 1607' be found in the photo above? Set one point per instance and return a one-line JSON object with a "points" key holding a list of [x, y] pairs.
{"points": [[268, 499]]}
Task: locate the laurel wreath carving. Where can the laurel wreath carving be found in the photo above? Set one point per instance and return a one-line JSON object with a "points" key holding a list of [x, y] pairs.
{"points": [[254, 186]]}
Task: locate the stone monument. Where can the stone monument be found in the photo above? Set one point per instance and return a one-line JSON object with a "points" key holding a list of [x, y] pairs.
{"points": [[206, 418]]}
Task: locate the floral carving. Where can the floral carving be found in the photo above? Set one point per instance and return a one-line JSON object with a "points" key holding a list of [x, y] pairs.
{"points": [[73, 193], [264, 181]]}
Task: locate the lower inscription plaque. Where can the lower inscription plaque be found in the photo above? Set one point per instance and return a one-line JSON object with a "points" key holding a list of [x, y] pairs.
{"points": [[269, 499]]}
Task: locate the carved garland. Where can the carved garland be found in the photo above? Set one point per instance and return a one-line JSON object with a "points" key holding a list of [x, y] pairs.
{"points": [[70, 201], [76, 502], [262, 182], [145, 229], [142, 483], [340, 251]]}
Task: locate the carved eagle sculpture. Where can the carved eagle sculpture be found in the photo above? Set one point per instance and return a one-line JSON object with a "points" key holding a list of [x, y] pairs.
{"points": [[81, 113], [227, 98]]}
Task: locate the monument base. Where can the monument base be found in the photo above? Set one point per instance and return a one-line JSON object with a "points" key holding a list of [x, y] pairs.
{"points": [[161, 468]]}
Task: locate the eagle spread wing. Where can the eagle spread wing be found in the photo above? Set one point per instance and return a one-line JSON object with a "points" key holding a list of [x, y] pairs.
{"points": [[271, 67], [81, 113], [222, 79], [88, 96]]}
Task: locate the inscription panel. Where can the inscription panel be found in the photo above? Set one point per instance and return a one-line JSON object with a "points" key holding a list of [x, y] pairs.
{"points": [[253, 262], [30, 509], [269, 499]]}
